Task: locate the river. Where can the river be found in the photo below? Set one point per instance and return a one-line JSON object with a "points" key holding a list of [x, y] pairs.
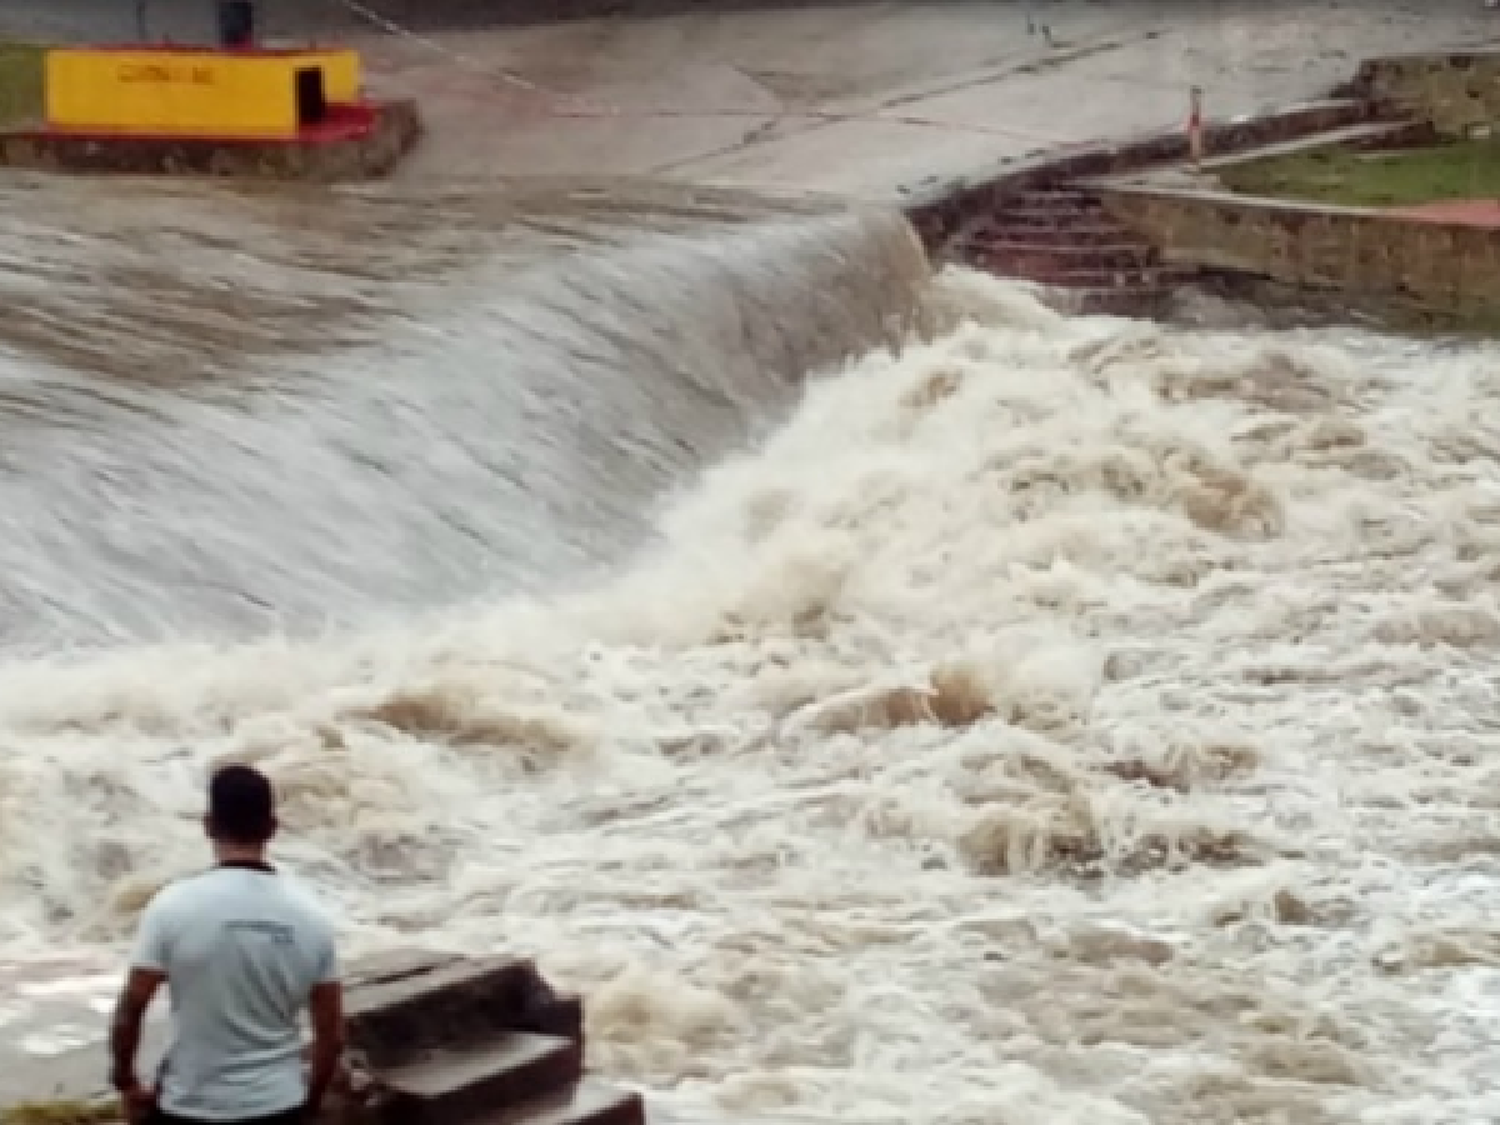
{"points": [[888, 699]]}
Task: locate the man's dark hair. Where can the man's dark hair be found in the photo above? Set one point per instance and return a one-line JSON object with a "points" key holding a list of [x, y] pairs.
{"points": [[241, 806]]}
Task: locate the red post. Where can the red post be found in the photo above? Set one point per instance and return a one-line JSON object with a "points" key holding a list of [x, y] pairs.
{"points": [[1195, 127]]}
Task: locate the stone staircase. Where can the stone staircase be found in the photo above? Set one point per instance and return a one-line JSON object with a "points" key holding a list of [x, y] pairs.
{"points": [[1064, 239], [1054, 231], [453, 1041]]}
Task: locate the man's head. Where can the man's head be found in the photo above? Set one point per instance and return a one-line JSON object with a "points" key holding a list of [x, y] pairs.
{"points": [[241, 808]]}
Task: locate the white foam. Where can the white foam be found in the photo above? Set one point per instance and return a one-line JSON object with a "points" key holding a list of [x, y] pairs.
{"points": [[1067, 720]]}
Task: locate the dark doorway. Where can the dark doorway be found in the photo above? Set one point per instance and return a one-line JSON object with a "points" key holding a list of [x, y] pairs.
{"points": [[312, 100]]}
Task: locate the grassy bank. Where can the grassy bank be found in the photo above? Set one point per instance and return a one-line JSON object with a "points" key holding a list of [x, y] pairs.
{"points": [[20, 82], [1463, 170]]}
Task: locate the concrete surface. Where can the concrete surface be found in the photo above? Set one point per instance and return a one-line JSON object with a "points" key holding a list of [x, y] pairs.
{"points": [[52, 1027], [873, 101]]}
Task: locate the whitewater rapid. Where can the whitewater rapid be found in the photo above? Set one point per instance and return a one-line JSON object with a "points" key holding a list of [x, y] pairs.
{"points": [[1035, 719]]}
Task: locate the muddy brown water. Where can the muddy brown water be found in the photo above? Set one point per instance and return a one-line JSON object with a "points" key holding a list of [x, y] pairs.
{"points": [[228, 410]]}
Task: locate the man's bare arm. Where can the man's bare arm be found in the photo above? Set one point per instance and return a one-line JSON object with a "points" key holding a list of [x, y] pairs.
{"points": [[125, 1028], [326, 1007]]}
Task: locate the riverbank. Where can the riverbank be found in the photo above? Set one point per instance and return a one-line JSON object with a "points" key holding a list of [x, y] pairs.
{"points": [[1463, 170]]}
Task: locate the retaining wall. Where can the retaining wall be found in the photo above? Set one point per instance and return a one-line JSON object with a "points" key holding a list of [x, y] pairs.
{"points": [[1444, 273], [1459, 92]]}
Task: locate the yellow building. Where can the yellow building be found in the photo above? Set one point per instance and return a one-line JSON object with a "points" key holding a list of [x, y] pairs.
{"points": [[197, 92]]}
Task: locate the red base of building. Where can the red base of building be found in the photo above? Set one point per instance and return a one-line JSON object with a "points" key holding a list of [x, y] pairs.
{"points": [[363, 140]]}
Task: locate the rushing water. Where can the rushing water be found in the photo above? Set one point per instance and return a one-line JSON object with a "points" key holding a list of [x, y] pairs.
{"points": [[1048, 719], [233, 411]]}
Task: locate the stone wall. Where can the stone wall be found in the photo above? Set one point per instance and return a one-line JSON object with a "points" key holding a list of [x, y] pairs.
{"points": [[1443, 273], [940, 215], [1459, 93]]}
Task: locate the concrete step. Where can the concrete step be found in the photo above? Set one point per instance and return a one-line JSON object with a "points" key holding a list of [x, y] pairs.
{"points": [[1082, 234], [1063, 196], [1221, 137], [1044, 214], [404, 1010], [1365, 135], [1321, 113], [460, 1085], [1289, 122], [1064, 256], [589, 1102], [1143, 303], [1134, 277]]}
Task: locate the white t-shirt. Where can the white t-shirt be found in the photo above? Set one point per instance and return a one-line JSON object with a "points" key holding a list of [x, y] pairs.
{"points": [[241, 949]]}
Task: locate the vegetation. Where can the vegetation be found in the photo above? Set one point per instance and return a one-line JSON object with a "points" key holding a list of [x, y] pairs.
{"points": [[1462, 170], [20, 82], [61, 1113]]}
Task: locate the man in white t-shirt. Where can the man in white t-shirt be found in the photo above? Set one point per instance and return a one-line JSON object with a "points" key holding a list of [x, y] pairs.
{"points": [[242, 953]]}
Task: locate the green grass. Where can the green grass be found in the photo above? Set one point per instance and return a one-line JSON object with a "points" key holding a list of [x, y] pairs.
{"points": [[1462, 170], [20, 82]]}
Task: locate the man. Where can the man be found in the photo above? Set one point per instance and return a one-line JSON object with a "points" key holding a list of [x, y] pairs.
{"points": [[242, 954]]}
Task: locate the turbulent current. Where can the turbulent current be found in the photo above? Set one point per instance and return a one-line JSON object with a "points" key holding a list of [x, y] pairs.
{"points": [[229, 412], [887, 699]]}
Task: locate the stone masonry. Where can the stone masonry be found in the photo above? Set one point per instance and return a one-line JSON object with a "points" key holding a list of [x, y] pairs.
{"points": [[1459, 93], [1449, 271]]}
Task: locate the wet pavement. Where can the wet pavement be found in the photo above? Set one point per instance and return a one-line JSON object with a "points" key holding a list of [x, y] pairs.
{"points": [[873, 100], [876, 102], [51, 1028]]}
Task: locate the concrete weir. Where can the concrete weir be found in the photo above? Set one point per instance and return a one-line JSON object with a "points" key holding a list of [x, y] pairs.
{"points": [[436, 1039]]}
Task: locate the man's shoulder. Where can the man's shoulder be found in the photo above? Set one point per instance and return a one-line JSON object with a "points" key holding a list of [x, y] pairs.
{"points": [[204, 897], [174, 892], [193, 891]]}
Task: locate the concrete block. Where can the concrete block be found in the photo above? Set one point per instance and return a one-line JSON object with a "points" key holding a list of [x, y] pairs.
{"points": [[397, 1016], [467, 1083]]}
